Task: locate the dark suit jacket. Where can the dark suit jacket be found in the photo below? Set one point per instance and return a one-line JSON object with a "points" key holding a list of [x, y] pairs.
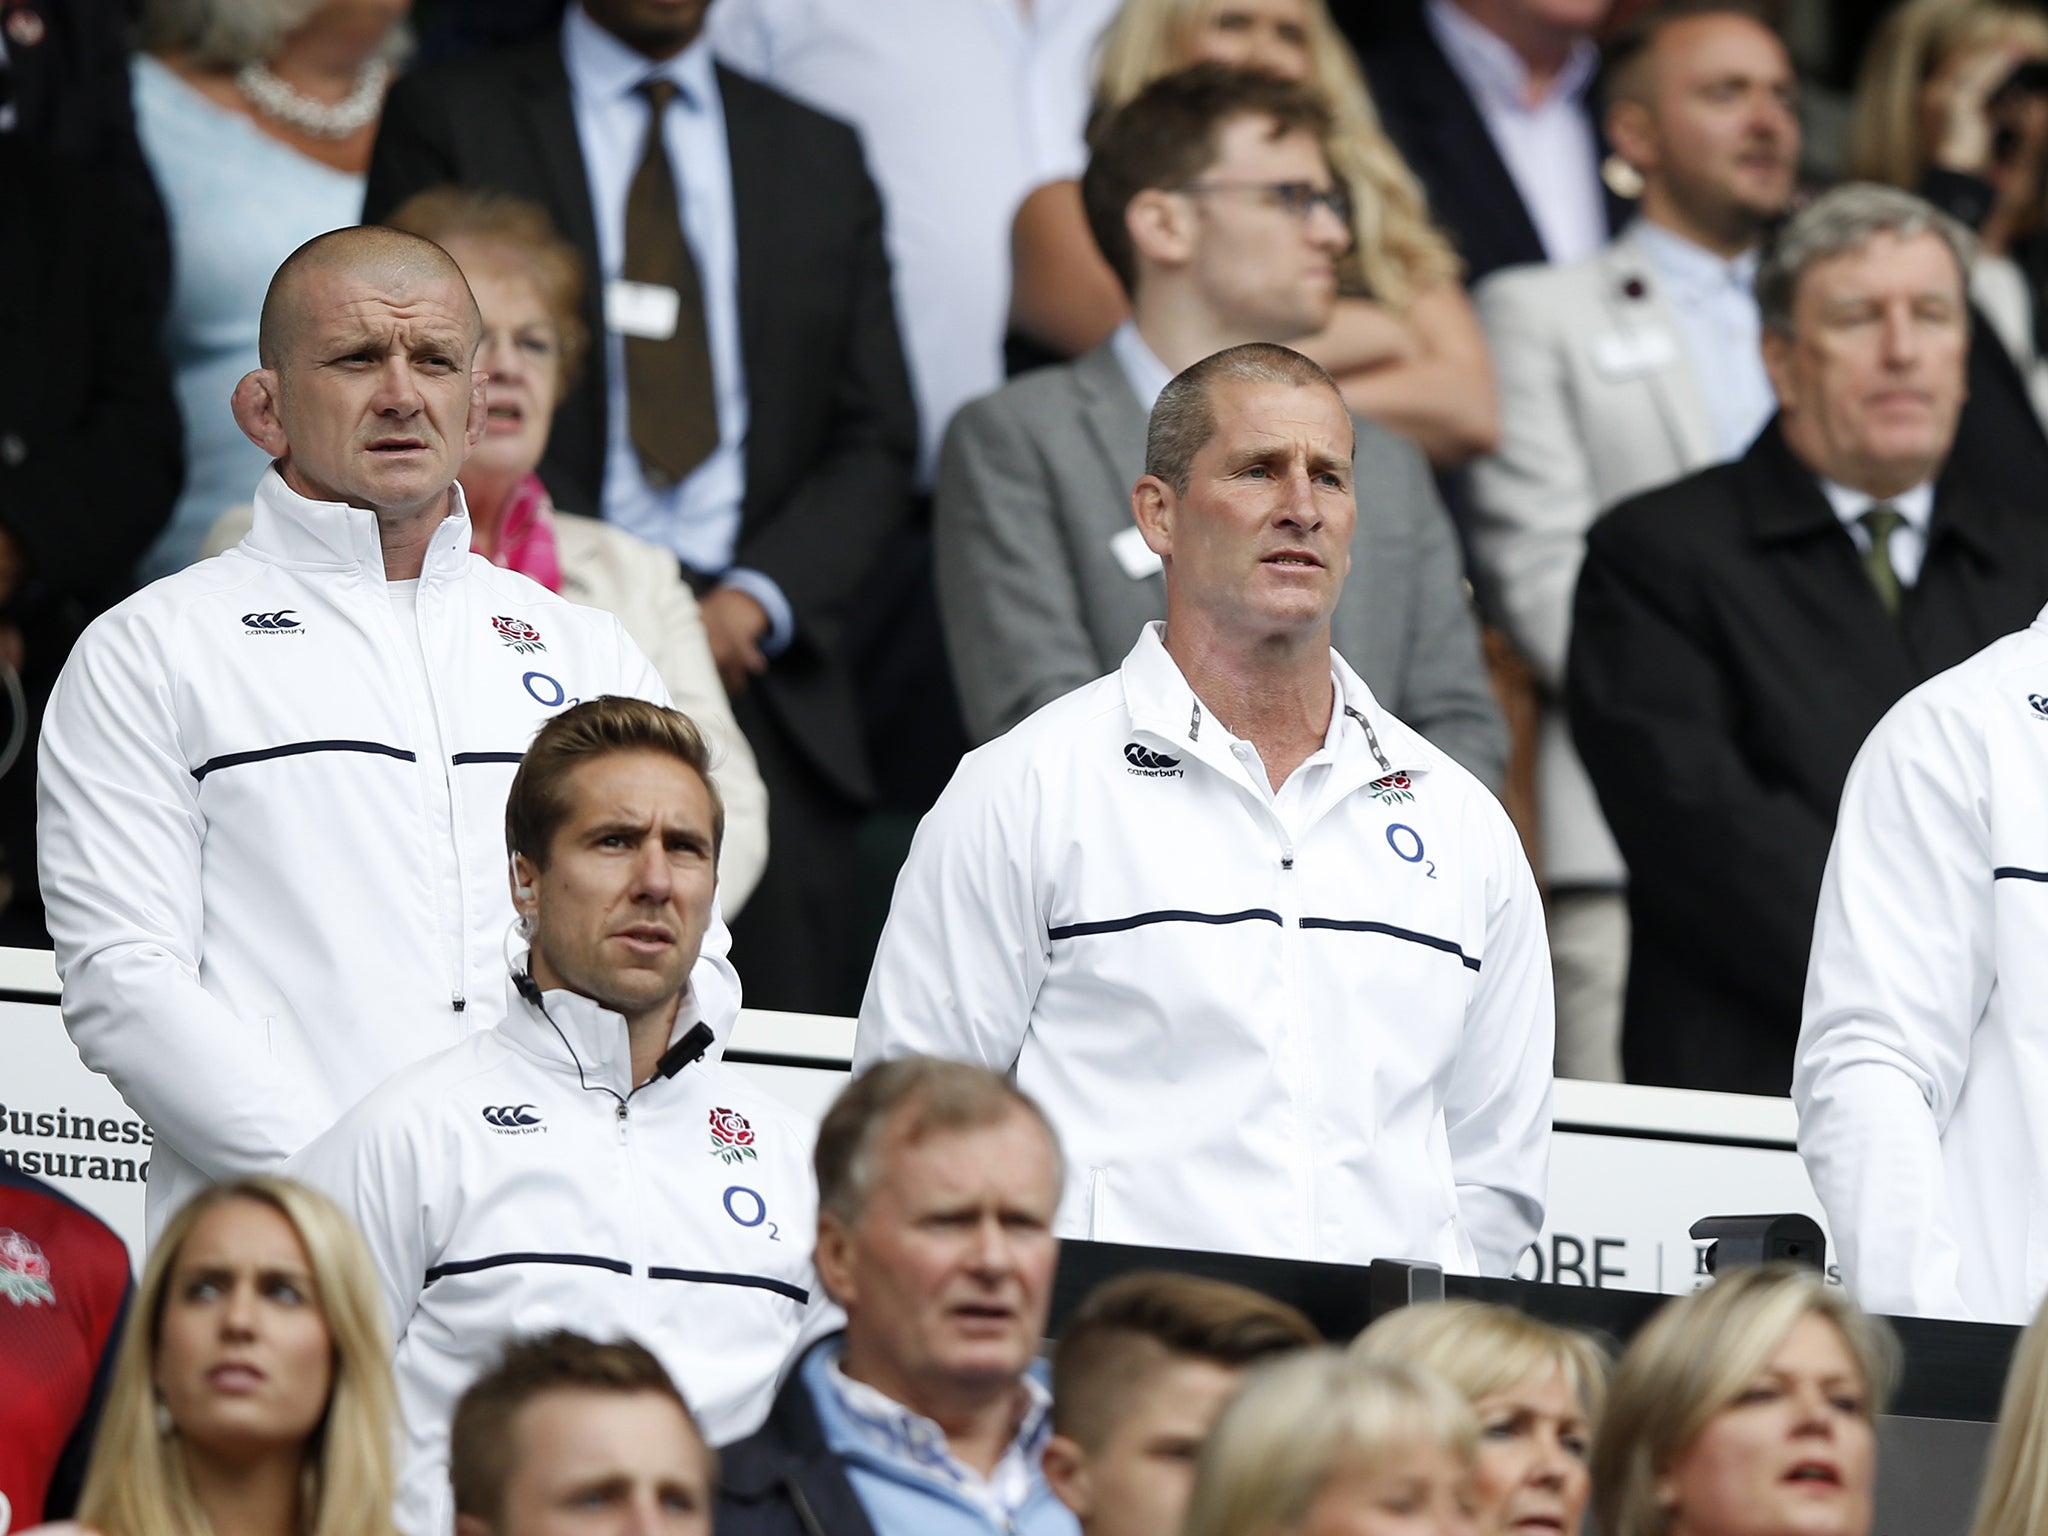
{"points": [[782, 1480], [1728, 657], [71, 95], [91, 452], [833, 432], [1431, 118]]}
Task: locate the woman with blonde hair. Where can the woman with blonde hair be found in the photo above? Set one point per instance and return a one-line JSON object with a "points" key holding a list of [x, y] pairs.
{"points": [[252, 1395], [1536, 1389], [2014, 1498], [1746, 1409], [1405, 344], [1952, 103], [1320, 1444]]}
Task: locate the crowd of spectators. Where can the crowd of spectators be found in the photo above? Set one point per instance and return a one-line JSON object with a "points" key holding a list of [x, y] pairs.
{"points": [[1381, 567]]}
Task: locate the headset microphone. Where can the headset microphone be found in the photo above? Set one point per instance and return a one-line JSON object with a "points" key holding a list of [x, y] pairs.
{"points": [[524, 984], [689, 1049]]}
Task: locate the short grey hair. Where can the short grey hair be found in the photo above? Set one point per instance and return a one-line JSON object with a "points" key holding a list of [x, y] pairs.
{"points": [[1182, 419], [1842, 220], [226, 34], [912, 1097]]}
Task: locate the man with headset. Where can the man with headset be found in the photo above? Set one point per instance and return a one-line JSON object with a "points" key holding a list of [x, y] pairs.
{"points": [[582, 1164]]}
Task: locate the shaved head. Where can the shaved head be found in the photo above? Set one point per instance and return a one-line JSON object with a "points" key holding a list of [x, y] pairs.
{"points": [[367, 253]]}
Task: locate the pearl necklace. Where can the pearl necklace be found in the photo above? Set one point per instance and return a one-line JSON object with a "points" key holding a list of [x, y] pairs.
{"points": [[274, 98]]}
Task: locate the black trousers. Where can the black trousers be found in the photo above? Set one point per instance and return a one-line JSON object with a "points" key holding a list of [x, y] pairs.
{"points": [[798, 944]]}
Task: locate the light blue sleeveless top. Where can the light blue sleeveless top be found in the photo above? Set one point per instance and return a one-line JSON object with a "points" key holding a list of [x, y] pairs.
{"points": [[239, 202]]}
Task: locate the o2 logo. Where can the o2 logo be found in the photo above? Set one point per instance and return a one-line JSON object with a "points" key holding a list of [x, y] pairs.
{"points": [[747, 1208], [546, 692], [1407, 845]]}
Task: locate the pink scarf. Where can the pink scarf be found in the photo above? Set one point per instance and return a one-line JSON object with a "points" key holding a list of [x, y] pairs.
{"points": [[526, 538]]}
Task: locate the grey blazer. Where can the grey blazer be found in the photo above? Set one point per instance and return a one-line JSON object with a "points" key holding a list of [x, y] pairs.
{"points": [[1034, 487], [1597, 403]]}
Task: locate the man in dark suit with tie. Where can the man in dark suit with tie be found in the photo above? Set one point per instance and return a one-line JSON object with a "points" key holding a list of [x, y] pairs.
{"points": [[752, 411], [1737, 633]]}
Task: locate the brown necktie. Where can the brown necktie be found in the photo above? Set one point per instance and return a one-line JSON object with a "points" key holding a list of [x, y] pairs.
{"points": [[669, 400], [1882, 522]]}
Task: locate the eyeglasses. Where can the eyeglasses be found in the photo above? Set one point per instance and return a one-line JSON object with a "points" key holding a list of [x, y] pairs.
{"points": [[1299, 198]]}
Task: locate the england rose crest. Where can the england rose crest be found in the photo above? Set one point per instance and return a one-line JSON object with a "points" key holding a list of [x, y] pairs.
{"points": [[517, 633], [732, 1139], [1393, 789], [24, 1271]]}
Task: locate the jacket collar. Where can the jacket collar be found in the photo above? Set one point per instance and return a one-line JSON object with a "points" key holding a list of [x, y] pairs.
{"points": [[573, 1035], [1783, 500], [789, 1450], [1161, 704], [295, 530]]}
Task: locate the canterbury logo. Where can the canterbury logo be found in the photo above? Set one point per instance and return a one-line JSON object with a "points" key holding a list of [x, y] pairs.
{"points": [[1145, 757], [511, 1114], [282, 619]]}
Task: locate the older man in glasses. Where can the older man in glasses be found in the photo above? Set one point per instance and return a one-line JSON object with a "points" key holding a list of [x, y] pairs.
{"points": [[1212, 196]]}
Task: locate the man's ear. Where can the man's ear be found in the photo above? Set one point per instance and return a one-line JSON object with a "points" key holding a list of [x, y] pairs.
{"points": [[1777, 353], [255, 404], [479, 406], [832, 1257], [1161, 226], [1633, 133], [1068, 1474], [522, 875], [1153, 504]]}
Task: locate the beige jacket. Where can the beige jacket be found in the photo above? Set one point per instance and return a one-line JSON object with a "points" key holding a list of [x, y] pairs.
{"points": [[642, 587]]}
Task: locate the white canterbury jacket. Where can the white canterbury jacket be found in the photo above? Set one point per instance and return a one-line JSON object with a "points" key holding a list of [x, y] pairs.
{"points": [[273, 850], [1316, 1024], [1922, 1073], [520, 1183]]}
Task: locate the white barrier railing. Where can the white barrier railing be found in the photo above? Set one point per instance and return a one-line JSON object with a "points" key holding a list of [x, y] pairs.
{"points": [[1631, 1168]]}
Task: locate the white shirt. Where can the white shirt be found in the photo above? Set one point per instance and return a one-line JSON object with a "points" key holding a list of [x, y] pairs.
{"points": [[699, 518], [1549, 147], [1714, 300], [1908, 544], [1920, 1072], [1314, 1024], [963, 106]]}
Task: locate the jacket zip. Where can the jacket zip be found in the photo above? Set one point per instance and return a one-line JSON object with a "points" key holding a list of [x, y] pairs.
{"points": [[459, 997]]}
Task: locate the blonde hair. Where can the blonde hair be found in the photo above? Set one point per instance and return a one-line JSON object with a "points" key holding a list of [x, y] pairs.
{"points": [[137, 1484], [1396, 252], [1481, 1349], [1694, 1358], [1911, 44], [1299, 1420], [2014, 1500]]}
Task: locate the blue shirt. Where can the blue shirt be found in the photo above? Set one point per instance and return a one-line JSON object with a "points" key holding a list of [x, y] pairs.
{"points": [[907, 1478], [699, 518], [1714, 300]]}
